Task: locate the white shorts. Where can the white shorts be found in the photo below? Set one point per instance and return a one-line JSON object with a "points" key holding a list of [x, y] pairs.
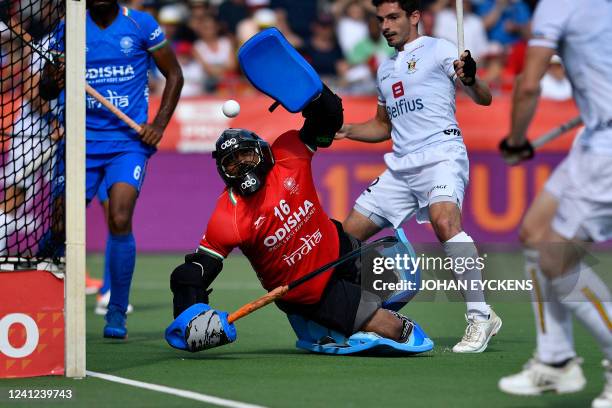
{"points": [[24, 150], [582, 183], [414, 181]]}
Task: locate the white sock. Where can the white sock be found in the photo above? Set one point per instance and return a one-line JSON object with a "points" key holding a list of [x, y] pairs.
{"points": [[462, 246], [555, 338], [588, 297]]}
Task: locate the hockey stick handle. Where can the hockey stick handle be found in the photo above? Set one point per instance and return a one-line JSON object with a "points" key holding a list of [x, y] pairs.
{"points": [[282, 290], [556, 132], [116, 111], [259, 303], [460, 35], [15, 27]]}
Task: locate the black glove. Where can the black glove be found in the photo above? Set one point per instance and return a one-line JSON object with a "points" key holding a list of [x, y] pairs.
{"points": [[469, 70], [515, 154], [324, 117]]}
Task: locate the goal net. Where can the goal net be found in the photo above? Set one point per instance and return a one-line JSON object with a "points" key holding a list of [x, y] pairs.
{"points": [[42, 205], [33, 172]]}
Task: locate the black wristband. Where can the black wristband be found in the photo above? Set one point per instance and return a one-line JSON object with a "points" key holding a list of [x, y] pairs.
{"points": [[526, 149]]}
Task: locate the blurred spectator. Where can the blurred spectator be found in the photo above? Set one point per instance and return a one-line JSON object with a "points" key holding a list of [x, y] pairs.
{"points": [[506, 21], [323, 51], [264, 18], [352, 30], [260, 19], [352, 27], [491, 66], [283, 25], [193, 74], [214, 54], [372, 50], [337, 7], [474, 31], [198, 10], [300, 14], [231, 12], [170, 18], [11, 65], [555, 85], [429, 11]]}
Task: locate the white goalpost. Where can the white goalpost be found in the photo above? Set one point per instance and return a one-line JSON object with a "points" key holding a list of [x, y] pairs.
{"points": [[74, 307]]}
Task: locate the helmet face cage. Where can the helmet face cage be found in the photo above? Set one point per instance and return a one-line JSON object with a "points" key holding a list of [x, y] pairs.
{"points": [[243, 160], [239, 162]]}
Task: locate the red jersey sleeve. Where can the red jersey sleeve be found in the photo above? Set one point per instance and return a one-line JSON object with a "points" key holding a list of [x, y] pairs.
{"points": [[222, 231], [290, 146]]}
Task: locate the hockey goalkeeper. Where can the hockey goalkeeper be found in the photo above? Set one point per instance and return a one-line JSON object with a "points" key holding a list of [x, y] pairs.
{"points": [[270, 210]]}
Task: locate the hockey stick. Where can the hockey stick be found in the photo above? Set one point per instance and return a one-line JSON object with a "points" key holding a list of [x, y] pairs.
{"points": [[282, 290], [556, 132], [16, 29], [544, 139], [460, 36]]}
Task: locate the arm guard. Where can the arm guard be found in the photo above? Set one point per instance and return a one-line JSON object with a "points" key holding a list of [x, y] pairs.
{"points": [[189, 281], [324, 117]]}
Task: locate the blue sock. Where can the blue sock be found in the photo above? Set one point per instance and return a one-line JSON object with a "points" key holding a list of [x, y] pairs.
{"points": [[106, 284], [121, 259]]}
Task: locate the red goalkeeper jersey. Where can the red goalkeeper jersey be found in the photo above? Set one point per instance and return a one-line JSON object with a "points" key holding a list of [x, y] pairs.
{"points": [[282, 228]]}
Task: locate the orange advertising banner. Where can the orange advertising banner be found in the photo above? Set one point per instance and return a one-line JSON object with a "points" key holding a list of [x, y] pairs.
{"points": [[31, 324], [198, 122]]}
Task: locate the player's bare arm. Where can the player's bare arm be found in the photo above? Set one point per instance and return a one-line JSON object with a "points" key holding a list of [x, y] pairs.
{"points": [[377, 129], [165, 60], [524, 103], [478, 90]]}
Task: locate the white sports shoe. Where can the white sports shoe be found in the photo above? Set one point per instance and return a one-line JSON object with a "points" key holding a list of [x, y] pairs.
{"points": [[477, 334], [102, 302], [538, 377], [604, 400]]}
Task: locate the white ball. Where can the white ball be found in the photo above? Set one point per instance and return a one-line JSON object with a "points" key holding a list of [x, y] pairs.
{"points": [[231, 108]]}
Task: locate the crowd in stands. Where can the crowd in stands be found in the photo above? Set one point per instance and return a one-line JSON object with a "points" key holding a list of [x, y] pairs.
{"points": [[340, 38]]}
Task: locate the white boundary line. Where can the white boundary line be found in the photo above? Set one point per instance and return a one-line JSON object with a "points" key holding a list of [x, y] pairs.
{"points": [[174, 391]]}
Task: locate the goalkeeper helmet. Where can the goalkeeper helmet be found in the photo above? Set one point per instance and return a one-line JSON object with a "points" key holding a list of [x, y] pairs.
{"points": [[243, 160]]}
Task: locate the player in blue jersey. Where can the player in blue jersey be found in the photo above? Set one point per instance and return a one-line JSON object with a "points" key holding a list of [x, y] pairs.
{"points": [[121, 44]]}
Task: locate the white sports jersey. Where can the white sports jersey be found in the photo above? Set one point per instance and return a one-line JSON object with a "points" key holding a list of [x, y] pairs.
{"points": [[581, 31], [417, 87]]}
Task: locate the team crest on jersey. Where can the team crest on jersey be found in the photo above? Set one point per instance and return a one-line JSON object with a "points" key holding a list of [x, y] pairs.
{"points": [[291, 185], [126, 44], [412, 65]]}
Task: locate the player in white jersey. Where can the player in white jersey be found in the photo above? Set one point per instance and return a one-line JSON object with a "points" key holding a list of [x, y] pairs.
{"points": [[427, 172], [576, 204]]}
